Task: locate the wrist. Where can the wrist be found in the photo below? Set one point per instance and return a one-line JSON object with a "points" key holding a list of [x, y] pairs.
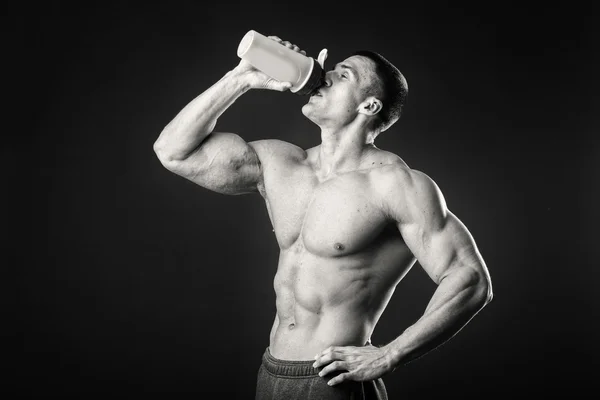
{"points": [[393, 355], [240, 79]]}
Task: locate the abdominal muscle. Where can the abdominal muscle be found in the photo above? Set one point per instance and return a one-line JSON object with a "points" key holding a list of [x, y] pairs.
{"points": [[324, 302], [311, 333]]}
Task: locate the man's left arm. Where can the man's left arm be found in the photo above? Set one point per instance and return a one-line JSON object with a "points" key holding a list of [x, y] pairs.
{"points": [[447, 252]]}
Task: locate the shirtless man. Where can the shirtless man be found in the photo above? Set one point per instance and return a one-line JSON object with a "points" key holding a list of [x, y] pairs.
{"points": [[350, 220]]}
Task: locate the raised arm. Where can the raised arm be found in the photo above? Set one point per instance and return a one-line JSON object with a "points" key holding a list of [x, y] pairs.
{"points": [[447, 252], [219, 161]]}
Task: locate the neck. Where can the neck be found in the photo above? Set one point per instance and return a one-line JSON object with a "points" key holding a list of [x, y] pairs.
{"points": [[342, 150]]}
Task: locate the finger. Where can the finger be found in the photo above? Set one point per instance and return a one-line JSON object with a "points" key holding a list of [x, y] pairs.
{"points": [[295, 48], [303, 52], [322, 57], [274, 84], [326, 356], [326, 359], [275, 38], [286, 44], [283, 86], [324, 352], [340, 378], [334, 366]]}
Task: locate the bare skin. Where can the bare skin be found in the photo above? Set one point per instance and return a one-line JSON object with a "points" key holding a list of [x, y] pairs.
{"points": [[341, 256], [350, 221]]}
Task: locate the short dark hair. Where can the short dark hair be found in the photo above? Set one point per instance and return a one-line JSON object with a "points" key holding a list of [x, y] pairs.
{"points": [[391, 89]]}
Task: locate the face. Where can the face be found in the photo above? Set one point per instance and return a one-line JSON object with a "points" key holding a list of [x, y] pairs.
{"points": [[336, 103]]}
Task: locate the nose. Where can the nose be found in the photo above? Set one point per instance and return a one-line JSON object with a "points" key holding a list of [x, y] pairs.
{"points": [[328, 80]]}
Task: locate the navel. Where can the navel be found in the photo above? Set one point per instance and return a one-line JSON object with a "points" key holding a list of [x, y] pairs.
{"points": [[339, 246], [291, 326]]}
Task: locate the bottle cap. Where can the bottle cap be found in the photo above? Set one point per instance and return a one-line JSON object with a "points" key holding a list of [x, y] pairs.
{"points": [[314, 80]]}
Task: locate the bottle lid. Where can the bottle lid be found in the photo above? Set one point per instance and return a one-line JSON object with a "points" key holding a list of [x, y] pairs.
{"points": [[314, 80]]}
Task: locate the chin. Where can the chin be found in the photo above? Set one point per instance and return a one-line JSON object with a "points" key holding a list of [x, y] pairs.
{"points": [[307, 110]]}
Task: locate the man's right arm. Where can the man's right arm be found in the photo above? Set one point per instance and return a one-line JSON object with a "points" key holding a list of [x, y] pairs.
{"points": [[219, 161]]}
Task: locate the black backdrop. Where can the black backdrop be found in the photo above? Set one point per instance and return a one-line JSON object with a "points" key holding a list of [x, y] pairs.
{"points": [[132, 280]]}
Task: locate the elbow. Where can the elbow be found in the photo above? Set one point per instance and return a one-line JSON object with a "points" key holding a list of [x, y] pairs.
{"points": [[158, 148], [170, 163], [159, 145], [479, 285], [484, 291], [490, 293], [169, 159], [163, 156]]}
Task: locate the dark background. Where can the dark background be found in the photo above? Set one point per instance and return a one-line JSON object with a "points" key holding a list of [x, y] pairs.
{"points": [[133, 280]]}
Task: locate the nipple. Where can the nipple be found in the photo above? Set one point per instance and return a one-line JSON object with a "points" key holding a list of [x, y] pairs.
{"points": [[339, 246]]}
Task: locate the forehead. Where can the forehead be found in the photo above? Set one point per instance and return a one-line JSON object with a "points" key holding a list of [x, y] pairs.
{"points": [[360, 63], [363, 66]]}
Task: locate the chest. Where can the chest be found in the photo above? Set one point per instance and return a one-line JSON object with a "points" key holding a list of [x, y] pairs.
{"points": [[337, 217]]}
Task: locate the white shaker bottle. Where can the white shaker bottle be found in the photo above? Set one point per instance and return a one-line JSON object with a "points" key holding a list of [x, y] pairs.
{"points": [[281, 63]]}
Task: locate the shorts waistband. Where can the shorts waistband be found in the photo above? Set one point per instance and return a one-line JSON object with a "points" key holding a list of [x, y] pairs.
{"points": [[290, 368]]}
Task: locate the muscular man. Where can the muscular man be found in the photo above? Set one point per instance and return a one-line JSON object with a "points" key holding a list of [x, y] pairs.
{"points": [[350, 220]]}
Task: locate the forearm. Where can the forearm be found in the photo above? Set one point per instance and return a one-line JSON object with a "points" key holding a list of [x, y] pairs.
{"points": [[457, 299], [198, 118]]}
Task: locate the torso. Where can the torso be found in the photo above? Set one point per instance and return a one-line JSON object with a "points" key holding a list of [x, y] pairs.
{"points": [[340, 258]]}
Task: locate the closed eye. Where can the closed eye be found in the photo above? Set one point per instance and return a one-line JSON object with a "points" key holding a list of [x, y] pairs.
{"points": [[343, 74]]}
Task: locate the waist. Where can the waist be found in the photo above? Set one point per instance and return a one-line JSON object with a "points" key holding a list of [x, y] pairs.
{"points": [[281, 367], [302, 340]]}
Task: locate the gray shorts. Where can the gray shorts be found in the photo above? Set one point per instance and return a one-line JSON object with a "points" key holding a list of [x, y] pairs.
{"points": [[298, 380]]}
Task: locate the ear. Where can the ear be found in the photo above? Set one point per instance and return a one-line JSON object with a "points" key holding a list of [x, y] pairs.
{"points": [[370, 106]]}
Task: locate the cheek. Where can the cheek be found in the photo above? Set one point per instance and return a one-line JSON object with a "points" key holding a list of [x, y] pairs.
{"points": [[348, 106], [340, 108], [344, 112], [344, 104]]}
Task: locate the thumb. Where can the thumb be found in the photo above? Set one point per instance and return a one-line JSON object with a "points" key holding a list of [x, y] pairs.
{"points": [[322, 57]]}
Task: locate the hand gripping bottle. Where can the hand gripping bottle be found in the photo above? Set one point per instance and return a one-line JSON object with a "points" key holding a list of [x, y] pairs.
{"points": [[281, 63]]}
